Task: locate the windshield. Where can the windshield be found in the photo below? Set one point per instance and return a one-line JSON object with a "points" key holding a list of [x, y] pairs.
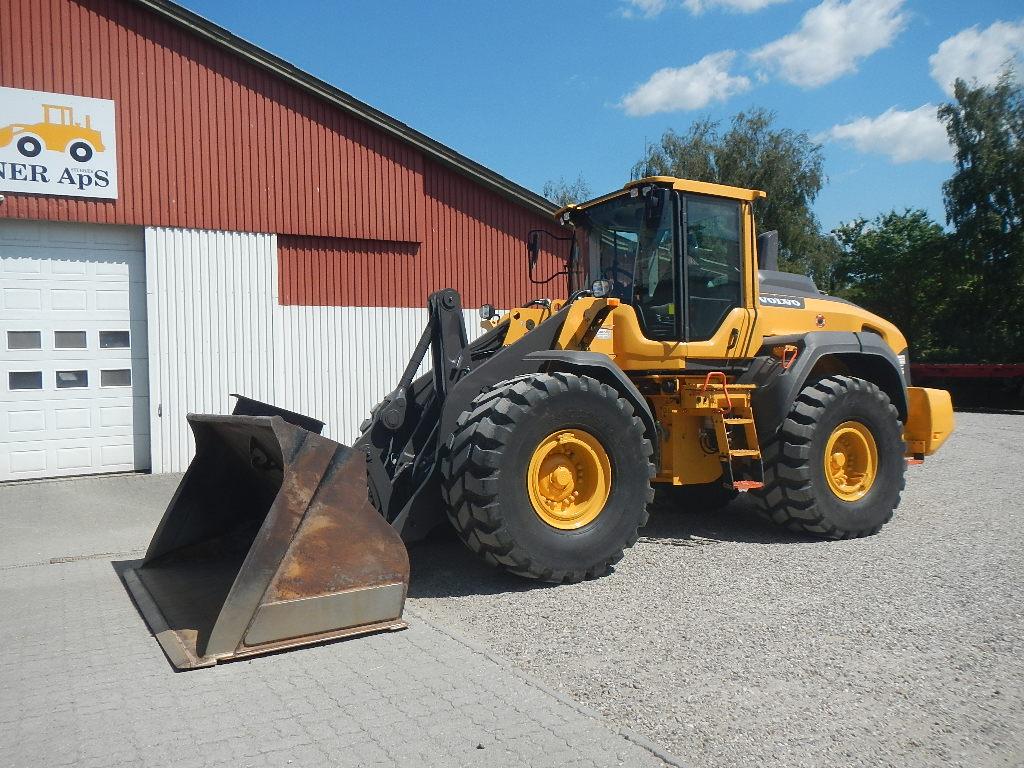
{"points": [[628, 241]]}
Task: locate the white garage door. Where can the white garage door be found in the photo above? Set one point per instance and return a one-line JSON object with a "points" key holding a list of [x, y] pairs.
{"points": [[73, 367]]}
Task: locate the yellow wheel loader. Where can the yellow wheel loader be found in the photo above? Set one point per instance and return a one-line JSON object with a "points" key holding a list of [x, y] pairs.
{"points": [[681, 356]]}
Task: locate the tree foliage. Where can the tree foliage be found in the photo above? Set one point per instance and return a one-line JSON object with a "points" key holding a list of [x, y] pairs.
{"points": [[755, 154], [894, 266], [985, 206], [563, 192], [957, 295]]}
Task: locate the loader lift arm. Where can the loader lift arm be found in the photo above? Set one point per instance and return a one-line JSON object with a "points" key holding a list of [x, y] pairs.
{"points": [[404, 436], [400, 438]]}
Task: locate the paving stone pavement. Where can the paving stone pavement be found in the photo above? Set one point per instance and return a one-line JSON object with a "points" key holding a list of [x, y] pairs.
{"points": [[82, 682]]}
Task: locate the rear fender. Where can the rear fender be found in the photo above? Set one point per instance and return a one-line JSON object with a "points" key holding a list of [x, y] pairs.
{"points": [[864, 355]]}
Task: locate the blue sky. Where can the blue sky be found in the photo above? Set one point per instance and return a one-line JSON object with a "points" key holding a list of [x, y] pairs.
{"points": [[542, 90]]}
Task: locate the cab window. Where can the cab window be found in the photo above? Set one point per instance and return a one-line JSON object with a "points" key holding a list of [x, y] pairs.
{"points": [[654, 287], [629, 241], [713, 263]]}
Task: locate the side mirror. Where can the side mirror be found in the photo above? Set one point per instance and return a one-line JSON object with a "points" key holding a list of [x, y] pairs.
{"points": [[533, 248], [768, 250], [601, 288]]}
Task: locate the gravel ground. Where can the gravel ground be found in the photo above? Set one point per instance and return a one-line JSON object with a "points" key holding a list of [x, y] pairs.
{"points": [[733, 643]]}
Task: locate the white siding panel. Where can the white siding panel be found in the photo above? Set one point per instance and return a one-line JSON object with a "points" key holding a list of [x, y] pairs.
{"points": [[207, 302], [216, 327], [335, 363]]}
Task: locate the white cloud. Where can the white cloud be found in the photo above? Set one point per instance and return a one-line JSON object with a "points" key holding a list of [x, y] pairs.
{"points": [[691, 87], [736, 6], [651, 8], [903, 136], [978, 56], [831, 39], [646, 8]]}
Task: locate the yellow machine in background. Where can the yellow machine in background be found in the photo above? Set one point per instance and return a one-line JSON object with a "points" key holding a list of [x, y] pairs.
{"points": [[682, 356], [58, 132]]}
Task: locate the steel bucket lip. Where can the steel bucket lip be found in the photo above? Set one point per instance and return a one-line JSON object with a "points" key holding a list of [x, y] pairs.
{"points": [[181, 653]]}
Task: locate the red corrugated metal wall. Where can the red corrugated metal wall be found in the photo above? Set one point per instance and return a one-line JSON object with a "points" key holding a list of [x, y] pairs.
{"points": [[207, 140], [474, 242]]}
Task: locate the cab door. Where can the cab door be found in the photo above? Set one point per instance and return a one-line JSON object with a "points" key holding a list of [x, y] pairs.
{"points": [[717, 300]]}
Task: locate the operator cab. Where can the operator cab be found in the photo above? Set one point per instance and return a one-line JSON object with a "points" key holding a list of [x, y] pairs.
{"points": [[674, 255]]}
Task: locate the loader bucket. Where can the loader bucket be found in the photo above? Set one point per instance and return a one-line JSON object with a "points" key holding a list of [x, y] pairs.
{"points": [[269, 542]]}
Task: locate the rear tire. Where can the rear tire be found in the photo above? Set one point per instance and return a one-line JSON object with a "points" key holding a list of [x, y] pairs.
{"points": [[798, 493], [487, 473]]}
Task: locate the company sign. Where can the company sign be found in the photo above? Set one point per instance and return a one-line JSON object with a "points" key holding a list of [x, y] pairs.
{"points": [[57, 144]]}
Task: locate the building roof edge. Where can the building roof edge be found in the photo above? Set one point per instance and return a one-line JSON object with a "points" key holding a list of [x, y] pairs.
{"points": [[434, 149]]}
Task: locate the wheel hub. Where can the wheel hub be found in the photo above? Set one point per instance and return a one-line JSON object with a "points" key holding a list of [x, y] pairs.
{"points": [[569, 479], [851, 461]]}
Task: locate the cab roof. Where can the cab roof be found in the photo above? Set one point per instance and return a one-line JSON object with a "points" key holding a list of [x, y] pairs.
{"points": [[681, 185]]}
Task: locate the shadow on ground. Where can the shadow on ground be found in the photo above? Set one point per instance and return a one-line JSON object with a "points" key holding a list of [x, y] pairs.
{"points": [[443, 567]]}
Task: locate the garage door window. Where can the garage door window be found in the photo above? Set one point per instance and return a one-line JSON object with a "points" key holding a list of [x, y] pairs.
{"points": [[72, 379], [69, 339], [121, 377], [114, 339], [24, 340], [25, 380]]}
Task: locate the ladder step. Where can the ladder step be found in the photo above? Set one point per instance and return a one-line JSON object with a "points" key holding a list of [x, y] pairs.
{"points": [[738, 421], [747, 485], [744, 452]]}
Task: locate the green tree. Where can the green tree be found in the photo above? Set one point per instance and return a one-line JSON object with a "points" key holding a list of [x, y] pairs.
{"points": [[894, 266], [985, 205], [753, 153], [562, 192]]}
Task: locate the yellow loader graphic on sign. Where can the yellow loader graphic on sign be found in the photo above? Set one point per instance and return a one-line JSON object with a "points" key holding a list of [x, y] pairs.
{"points": [[58, 132]]}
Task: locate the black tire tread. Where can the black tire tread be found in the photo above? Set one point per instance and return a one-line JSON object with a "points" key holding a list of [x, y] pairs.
{"points": [[787, 498], [472, 460]]}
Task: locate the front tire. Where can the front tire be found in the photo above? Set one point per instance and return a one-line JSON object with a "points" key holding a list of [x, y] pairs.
{"points": [[549, 477], [836, 467]]}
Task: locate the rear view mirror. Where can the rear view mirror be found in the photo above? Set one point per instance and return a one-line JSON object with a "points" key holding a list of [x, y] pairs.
{"points": [[768, 250], [533, 253], [533, 248]]}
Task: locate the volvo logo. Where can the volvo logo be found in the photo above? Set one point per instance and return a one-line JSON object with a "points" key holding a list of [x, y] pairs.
{"points": [[790, 302]]}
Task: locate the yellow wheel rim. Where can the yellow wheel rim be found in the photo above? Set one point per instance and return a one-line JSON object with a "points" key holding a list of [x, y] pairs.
{"points": [[851, 461], [569, 479]]}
